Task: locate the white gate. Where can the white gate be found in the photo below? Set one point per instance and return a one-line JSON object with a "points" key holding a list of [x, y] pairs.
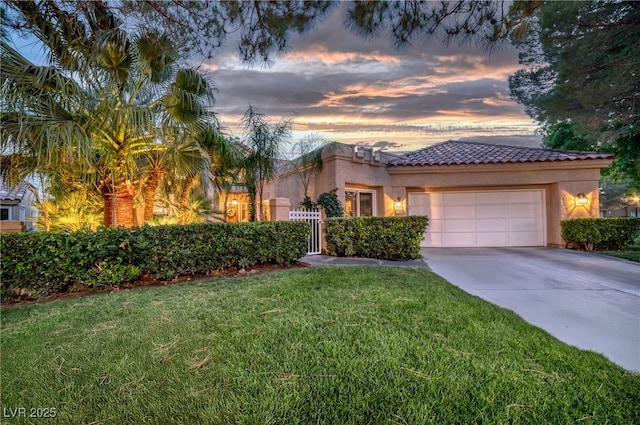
{"points": [[313, 218]]}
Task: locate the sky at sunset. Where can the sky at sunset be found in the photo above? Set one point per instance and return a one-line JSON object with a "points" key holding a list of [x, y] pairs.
{"points": [[340, 87]]}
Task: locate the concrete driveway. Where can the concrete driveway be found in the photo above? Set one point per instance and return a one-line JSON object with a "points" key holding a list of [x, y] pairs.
{"points": [[586, 300]]}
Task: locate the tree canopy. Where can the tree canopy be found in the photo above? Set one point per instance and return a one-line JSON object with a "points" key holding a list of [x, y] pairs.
{"points": [[110, 105], [262, 29], [580, 78]]}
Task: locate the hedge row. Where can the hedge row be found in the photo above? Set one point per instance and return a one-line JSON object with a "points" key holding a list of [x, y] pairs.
{"points": [[375, 237], [602, 234], [42, 263]]}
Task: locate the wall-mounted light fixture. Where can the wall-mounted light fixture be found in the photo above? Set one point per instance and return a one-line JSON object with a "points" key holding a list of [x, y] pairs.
{"points": [[231, 211], [581, 199], [398, 206]]}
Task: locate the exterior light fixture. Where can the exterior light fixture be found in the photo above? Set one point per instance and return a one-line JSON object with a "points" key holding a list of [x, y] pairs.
{"points": [[581, 199], [231, 211], [398, 207]]}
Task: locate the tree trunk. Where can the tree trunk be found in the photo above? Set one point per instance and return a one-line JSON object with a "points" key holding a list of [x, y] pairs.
{"points": [[45, 214], [252, 202], [150, 188], [186, 191], [184, 199], [118, 207]]}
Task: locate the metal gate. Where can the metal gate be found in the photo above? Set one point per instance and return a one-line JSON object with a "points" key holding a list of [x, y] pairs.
{"points": [[313, 218]]}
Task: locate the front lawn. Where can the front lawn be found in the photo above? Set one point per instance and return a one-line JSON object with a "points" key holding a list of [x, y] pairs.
{"points": [[629, 254], [325, 345]]}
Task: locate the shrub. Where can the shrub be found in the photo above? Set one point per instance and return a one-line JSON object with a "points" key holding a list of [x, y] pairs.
{"points": [[376, 237], [171, 251], [331, 204], [601, 233], [307, 204], [41, 263]]}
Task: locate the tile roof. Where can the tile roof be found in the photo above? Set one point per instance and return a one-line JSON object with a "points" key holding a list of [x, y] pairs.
{"points": [[9, 194], [457, 153]]}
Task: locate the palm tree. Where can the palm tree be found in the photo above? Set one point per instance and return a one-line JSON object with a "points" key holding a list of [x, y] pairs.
{"points": [[227, 159], [107, 99], [184, 160], [264, 140]]}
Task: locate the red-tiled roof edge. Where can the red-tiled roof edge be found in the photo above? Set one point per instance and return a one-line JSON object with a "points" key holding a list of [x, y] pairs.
{"points": [[505, 154]]}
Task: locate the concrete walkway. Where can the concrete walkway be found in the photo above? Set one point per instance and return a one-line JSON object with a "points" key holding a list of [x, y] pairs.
{"points": [[586, 300]]}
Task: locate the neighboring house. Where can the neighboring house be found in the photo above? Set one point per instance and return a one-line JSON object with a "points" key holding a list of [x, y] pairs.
{"points": [[16, 208], [475, 194]]}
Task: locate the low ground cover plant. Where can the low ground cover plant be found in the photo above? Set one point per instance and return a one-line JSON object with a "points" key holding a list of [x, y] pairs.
{"points": [[375, 237], [41, 263], [326, 345]]}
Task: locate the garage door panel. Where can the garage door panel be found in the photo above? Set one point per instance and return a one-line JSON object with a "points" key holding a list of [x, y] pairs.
{"points": [[492, 198], [433, 239], [523, 225], [525, 239], [457, 212], [523, 210], [458, 199], [435, 212], [490, 211], [491, 239], [483, 218], [435, 225], [454, 226], [458, 239], [491, 225], [435, 198]]}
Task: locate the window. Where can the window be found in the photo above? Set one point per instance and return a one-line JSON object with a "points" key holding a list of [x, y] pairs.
{"points": [[359, 202], [4, 213]]}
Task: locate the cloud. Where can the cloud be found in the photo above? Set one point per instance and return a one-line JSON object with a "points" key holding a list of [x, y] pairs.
{"points": [[348, 89]]}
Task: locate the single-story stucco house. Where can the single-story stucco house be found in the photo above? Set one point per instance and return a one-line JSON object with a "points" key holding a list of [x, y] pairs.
{"points": [[475, 194], [16, 208]]}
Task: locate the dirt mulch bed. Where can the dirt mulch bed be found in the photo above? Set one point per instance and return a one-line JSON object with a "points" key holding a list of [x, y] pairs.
{"points": [[147, 281]]}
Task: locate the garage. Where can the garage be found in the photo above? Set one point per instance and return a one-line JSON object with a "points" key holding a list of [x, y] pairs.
{"points": [[491, 218]]}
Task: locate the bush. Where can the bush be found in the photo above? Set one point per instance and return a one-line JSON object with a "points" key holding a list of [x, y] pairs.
{"points": [[376, 237], [331, 204], [41, 263], [604, 234]]}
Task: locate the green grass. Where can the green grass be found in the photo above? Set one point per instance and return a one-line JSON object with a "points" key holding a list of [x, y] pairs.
{"points": [[633, 255], [324, 345]]}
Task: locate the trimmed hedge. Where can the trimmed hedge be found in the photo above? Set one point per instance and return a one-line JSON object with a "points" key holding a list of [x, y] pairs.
{"points": [[602, 234], [41, 263], [375, 237]]}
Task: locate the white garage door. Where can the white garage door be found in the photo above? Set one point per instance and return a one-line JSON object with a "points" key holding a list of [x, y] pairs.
{"points": [[485, 218]]}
